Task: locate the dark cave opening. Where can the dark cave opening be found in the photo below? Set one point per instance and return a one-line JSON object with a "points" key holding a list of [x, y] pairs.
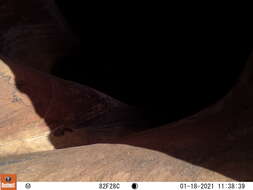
{"points": [[167, 70]]}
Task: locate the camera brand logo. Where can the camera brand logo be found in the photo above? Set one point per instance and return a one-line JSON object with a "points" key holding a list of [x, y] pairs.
{"points": [[8, 182]]}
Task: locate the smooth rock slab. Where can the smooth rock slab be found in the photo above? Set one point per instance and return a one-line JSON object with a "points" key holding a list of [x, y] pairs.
{"points": [[105, 162]]}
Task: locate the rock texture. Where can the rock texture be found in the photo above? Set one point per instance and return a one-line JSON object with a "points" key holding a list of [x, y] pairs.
{"points": [[105, 162], [40, 112], [33, 33], [99, 138], [213, 145]]}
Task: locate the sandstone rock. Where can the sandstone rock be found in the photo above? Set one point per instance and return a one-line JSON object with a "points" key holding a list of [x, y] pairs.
{"points": [[105, 162], [33, 33], [41, 113], [205, 147]]}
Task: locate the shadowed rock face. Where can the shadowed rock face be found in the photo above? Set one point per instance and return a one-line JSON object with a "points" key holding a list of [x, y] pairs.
{"points": [[101, 138], [33, 33], [214, 145], [171, 68], [53, 113]]}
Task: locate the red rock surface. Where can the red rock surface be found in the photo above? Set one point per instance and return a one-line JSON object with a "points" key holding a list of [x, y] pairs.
{"points": [[41, 113], [213, 145]]}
